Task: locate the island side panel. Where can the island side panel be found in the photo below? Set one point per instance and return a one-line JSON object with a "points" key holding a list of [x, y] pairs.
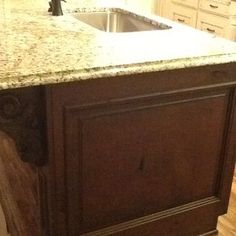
{"points": [[142, 154]]}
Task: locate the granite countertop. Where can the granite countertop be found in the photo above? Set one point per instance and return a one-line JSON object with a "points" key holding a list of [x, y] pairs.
{"points": [[37, 48]]}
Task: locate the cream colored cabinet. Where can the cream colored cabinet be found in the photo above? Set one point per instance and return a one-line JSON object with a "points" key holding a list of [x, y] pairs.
{"points": [[213, 16], [231, 31], [231, 34], [183, 11], [184, 15], [160, 7], [215, 7], [190, 3], [212, 23], [163, 8]]}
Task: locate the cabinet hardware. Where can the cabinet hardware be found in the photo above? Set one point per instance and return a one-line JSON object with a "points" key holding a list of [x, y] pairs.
{"points": [[181, 20], [210, 30], [213, 6]]}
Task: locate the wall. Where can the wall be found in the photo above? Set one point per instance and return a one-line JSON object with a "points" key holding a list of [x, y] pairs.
{"points": [[143, 5]]}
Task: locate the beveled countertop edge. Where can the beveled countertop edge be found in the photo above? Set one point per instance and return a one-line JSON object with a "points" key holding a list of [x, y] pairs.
{"points": [[116, 71]]}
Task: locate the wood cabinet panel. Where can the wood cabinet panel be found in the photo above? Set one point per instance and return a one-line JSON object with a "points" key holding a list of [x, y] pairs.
{"points": [[136, 156], [180, 11], [129, 154], [212, 24], [218, 8], [190, 3]]}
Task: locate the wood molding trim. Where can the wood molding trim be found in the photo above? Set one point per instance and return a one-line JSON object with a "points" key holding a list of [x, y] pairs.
{"points": [[213, 233], [154, 217], [22, 117]]}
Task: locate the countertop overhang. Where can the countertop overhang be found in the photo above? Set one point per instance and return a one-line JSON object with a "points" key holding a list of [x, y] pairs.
{"points": [[38, 49]]}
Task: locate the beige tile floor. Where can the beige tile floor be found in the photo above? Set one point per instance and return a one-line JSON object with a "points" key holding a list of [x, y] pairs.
{"points": [[3, 230]]}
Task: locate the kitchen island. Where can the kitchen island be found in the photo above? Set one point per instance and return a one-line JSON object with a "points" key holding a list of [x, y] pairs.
{"points": [[124, 134]]}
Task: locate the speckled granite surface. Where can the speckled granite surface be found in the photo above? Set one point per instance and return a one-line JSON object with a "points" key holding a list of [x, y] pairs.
{"points": [[37, 48]]}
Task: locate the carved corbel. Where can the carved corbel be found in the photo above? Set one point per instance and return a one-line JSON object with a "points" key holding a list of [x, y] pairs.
{"points": [[22, 117]]}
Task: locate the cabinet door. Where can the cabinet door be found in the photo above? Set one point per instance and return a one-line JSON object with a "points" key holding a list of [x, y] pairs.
{"points": [[213, 24], [160, 5], [231, 32], [218, 8], [164, 8], [121, 157], [134, 156]]}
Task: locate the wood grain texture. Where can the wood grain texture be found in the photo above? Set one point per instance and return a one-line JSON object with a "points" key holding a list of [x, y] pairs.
{"points": [[18, 191]]}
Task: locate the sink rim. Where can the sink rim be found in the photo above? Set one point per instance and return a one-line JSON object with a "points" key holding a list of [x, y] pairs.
{"points": [[140, 17]]}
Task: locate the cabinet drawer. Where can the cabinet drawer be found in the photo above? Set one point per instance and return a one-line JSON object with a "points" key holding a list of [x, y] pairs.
{"points": [[184, 15], [213, 29], [182, 19], [191, 3], [212, 24], [220, 8]]}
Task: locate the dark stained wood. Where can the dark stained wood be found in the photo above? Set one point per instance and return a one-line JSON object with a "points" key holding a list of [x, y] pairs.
{"points": [[22, 118], [226, 223], [142, 155], [138, 143], [131, 151]]}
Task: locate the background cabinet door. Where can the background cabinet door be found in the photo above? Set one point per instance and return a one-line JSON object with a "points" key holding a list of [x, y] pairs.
{"points": [[218, 8], [212, 24], [163, 8], [215, 17], [180, 11]]}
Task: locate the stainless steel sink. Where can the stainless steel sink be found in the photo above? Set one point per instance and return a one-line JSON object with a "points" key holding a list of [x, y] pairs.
{"points": [[118, 20]]}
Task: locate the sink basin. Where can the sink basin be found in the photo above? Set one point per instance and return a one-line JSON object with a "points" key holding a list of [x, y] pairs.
{"points": [[117, 20]]}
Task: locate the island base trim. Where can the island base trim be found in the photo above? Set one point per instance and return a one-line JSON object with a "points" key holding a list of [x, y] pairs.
{"points": [[198, 206], [213, 233]]}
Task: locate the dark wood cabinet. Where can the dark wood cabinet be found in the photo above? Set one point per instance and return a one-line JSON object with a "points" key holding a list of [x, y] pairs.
{"points": [[139, 155]]}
